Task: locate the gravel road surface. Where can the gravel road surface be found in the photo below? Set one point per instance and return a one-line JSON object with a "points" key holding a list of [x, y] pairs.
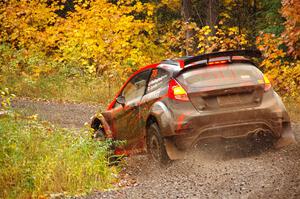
{"points": [[214, 170], [69, 115]]}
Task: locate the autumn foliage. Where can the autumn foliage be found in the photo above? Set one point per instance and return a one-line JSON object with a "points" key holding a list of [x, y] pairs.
{"points": [[284, 75], [291, 11], [83, 50], [105, 39]]}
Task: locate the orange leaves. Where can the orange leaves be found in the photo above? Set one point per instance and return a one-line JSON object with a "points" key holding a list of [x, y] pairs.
{"points": [[270, 46], [290, 11], [285, 76], [24, 22]]}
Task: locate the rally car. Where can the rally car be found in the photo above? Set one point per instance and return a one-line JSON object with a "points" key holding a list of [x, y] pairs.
{"points": [[168, 107]]}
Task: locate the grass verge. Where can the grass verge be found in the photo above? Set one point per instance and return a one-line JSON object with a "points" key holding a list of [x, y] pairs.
{"points": [[38, 159], [60, 87]]}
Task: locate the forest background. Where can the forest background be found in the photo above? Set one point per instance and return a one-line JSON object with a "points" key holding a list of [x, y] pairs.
{"points": [[83, 50]]}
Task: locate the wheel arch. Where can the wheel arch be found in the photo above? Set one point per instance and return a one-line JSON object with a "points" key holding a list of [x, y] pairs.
{"points": [[171, 150], [160, 114], [95, 124], [99, 121], [150, 120]]}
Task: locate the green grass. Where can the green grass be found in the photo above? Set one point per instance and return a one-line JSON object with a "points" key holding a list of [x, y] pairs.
{"points": [[60, 87], [38, 159]]}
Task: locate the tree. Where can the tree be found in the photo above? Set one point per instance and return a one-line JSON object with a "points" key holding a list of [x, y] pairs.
{"points": [[186, 12], [268, 17], [212, 13], [291, 12]]}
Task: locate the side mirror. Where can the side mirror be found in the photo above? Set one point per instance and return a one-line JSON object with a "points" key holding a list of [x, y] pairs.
{"points": [[121, 100]]}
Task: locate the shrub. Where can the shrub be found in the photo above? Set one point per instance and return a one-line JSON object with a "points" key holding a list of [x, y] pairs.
{"points": [[283, 73], [38, 159]]}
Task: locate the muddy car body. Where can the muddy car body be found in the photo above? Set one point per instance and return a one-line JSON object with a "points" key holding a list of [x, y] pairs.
{"points": [[168, 107]]}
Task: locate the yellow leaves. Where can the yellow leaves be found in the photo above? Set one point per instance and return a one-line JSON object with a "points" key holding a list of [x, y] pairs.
{"points": [[225, 15], [225, 38], [203, 39], [6, 98], [150, 9], [26, 21], [108, 34], [36, 72], [283, 75], [91, 69], [173, 4], [138, 7], [269, 45], [227, 2], [232, 31], [207, 31]]}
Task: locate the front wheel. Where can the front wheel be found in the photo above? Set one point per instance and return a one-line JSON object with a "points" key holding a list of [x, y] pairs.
{"points": [[155, 145], [99, 134]]}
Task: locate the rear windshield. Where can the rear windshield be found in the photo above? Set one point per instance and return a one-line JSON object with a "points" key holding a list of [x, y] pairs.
{"points": [[220, 76]]}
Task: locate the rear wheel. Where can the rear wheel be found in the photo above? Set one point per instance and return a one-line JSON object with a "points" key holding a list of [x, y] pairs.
{"points": [[155, 145]]}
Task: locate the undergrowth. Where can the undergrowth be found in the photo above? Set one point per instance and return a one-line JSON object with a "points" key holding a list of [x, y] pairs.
{"points": [[60, 87], [38, 159]]}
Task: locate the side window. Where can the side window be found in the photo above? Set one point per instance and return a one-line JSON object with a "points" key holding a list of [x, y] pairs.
{"points": [[158, 79], [135, 88]]}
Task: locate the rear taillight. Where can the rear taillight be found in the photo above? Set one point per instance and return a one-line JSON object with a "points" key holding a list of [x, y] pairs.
{"points": [[267, 83], [176, 92]]}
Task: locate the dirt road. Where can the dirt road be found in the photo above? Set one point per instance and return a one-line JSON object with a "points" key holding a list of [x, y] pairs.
{"points": [[69, 115], [213, 171]]}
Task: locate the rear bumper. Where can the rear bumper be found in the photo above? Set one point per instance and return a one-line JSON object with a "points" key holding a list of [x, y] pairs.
{"points": [[233, 130], [189, 126]]}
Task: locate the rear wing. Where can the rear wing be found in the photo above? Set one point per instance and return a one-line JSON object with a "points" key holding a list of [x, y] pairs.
{"points": [[184, 61], [230, 54]]}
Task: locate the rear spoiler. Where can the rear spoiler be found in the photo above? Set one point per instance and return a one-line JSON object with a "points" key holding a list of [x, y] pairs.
{"points": [[207, 57]]}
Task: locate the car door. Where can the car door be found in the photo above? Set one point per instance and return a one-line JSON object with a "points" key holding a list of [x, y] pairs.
{"points": [[156, 88], [127, 123]]}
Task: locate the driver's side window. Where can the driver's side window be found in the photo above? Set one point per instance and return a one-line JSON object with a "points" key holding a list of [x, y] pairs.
{"points": [[135, 88]]}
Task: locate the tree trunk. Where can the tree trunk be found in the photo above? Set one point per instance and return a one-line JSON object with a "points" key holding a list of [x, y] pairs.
{"points": [[212, 14], [186, 13]]}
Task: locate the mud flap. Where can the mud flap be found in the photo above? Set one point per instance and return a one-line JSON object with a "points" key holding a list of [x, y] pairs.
{"points": [[173, 152], [286, 138]]}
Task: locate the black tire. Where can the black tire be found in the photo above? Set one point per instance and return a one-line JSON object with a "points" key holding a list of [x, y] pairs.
{"points": [[99, 134], [155, 145]]}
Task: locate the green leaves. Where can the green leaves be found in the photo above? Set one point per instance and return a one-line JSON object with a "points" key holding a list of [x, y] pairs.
{"points": [[38, 159]]}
